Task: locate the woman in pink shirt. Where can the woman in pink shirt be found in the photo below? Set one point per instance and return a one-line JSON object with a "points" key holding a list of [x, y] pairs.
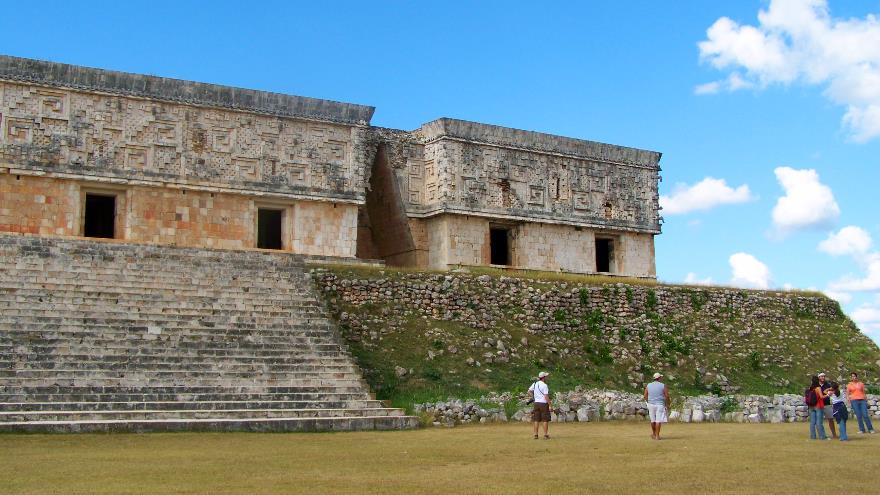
{"points": [[855, 391]]}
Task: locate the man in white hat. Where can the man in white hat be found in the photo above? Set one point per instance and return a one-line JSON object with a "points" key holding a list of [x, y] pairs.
{"points": [[541, 409], [657, 398]]}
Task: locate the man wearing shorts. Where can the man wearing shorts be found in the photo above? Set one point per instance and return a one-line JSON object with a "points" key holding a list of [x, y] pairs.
{"points": [[828, 409], [657, 398], [541, 410]]}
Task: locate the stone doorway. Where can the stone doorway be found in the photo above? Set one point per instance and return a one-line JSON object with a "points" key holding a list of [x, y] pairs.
{"points": [[499, 246], [269, 228], [99, 219], [604, 255]]}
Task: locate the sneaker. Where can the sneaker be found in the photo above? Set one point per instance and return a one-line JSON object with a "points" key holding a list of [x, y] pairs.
{"points": [[872, 432], [861, 432], [536, 437]]}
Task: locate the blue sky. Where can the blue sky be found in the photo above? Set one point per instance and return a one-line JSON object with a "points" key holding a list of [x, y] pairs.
{"points": [[797, 87]]}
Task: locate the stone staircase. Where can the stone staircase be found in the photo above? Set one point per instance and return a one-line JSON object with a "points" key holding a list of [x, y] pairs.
{"points": [[103, 336]]}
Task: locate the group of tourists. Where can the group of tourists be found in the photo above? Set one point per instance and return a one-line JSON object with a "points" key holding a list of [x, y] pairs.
{"points": [[656, 397], [826, 401]]}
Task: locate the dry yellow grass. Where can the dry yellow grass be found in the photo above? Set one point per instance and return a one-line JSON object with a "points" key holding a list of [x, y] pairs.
{"points": [[581, 458]]}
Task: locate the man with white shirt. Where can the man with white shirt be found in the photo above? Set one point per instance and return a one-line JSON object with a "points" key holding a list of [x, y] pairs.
{"points": [[541, 410], [657, 399]]}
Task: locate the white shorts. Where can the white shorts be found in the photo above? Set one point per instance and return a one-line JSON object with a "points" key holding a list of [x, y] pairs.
{"points": [[657, 413]]}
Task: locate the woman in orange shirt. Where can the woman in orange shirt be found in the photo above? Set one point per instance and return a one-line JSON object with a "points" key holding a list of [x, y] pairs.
{"points": [[855, 391]]}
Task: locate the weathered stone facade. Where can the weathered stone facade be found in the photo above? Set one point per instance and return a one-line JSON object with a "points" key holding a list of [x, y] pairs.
{"points": [[192, 164]]}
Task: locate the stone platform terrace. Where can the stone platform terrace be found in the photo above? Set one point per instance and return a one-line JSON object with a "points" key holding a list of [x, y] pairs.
{"points": [[103, 336]]}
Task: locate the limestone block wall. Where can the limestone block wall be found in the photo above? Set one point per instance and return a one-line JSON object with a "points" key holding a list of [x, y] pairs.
{"points": [[325, 229], [189, 218], [154, 215], [464, 240], [554, 247], [637, 255], [38, 206], [457, 240]]}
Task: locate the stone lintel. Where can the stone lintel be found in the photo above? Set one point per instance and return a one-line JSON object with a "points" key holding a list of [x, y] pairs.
{"points": [[175, 90], [324, 197], [536, 141], [532, 217]]}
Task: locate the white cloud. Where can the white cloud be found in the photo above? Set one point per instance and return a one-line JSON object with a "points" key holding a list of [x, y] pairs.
{"points": [[869, 282], [709, 88], [692, 279], [851, 240], [867, 317], [841, 297], [748, 271], [807, 202], [798, 41], [704, 195]]}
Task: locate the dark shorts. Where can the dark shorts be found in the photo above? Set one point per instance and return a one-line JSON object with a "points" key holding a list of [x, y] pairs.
{"points": [[541, 412]]}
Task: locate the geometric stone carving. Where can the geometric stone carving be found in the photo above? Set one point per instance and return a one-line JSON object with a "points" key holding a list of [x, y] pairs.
{"points": [[19, 131], [166, 133], [298, 174], [248, 168], [536, 195], [136, 157], [222, 140], [53, 104], [581, 202]]}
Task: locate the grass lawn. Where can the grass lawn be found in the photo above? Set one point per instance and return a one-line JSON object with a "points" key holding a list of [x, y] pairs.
{"points": [[581, 458]]}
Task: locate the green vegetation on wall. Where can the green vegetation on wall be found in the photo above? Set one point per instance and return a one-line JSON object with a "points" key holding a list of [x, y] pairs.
{"points": [[427, 335]]}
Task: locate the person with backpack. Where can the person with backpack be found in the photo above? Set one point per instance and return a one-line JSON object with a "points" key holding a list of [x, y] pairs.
{"points": [[855, 392], [814, 398], [839, 412], [539, 392]]}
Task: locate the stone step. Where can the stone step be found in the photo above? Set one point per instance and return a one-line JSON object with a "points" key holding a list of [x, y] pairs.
{"points": [[119, 337], [233, 424], [189, 405], [159, 306], [181, 350], [256, 350], [103, 296], [184, 277], [293, 322], [257, 392], [183, 394], [111, 316], [50, 376], [93, 359], [324, 397], [257, 368], [305, 334], [188, 380], [65, 415]]}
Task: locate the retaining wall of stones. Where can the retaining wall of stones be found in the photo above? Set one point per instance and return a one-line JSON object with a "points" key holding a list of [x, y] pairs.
{"points": [[608, 405]]}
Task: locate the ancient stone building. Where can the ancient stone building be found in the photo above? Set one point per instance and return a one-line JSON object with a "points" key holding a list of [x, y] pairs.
{"points": [[94, 153]]}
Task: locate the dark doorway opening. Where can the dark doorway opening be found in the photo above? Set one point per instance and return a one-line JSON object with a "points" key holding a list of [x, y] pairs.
{"points": [[603, 255], [499, 246], [269, 229], [100, 216]]}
